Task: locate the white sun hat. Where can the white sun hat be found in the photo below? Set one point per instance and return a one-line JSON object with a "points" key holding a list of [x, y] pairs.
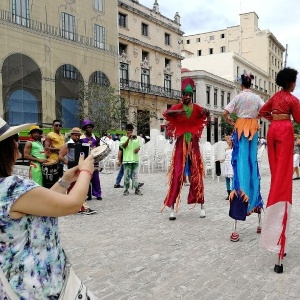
{"points": [[7, 131]]}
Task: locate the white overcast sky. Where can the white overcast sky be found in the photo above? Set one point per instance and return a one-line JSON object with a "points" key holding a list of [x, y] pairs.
{"points": [[281, 17]]}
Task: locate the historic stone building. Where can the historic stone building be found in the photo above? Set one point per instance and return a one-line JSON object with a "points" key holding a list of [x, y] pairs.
{"points": [[214, 93], [150, 62], [48, 49], [228, 52]]}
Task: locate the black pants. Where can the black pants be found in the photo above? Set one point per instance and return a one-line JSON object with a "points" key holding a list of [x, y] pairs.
{"points": [[218, 168]]}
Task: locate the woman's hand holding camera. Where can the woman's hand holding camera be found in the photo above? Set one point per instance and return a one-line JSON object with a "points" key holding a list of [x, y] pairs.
{"points": [[87, 164]]}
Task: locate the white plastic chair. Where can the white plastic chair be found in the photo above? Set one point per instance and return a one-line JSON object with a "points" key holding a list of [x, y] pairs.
{"points": [[260, 153], [145, 162], [208, 159]]}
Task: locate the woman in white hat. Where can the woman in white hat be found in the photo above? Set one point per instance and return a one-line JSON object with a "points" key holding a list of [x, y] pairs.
{"points": [[32, 261]]}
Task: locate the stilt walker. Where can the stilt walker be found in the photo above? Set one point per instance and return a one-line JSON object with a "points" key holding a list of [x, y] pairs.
{"points": [[186, 121], [245, 197], [280, 141]]}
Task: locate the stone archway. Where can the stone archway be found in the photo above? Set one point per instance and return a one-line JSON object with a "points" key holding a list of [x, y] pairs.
{"points": [[68, 83], [21, 89]]}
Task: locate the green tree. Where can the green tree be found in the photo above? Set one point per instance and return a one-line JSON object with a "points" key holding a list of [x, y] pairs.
{"points": [[227, 129], [103, 105], [296, 127], [141, 120]]}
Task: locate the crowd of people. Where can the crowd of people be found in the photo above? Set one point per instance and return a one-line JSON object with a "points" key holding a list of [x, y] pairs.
{"points": [[67, 175]]}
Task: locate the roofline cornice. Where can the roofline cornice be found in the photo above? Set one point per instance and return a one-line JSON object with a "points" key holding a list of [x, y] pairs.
{"points": [[151, 18]]}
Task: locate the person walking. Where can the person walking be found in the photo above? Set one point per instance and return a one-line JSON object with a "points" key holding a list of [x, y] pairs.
{"points": [[280, 139], [245, 197], [34, 151], [185, 122]]}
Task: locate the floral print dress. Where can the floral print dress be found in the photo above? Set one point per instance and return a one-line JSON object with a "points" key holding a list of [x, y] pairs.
{"points": [[31, 254]]}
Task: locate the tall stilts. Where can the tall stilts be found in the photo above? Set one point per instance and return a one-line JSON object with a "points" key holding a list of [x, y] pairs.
{"points": [[172, 216], [202, 211], [234, 235], [279, 267], [259, 223]]}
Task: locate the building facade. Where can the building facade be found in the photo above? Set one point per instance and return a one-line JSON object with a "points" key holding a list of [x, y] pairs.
{"points": [[48, 50], [149, 62], [214, 93], [259, 47], [228, 52]]}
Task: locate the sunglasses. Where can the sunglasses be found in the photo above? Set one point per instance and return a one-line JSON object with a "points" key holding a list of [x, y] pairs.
{"points": [[57, 125]]}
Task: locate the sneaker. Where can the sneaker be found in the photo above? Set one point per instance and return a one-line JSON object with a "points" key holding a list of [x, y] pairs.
{"points": [[140, 184], [235, 237], [80, 212], [88, 198], [116, 186], [89, 211], [99, 198], [172, 216], [138, 192], [202, 213], [126, 193]]}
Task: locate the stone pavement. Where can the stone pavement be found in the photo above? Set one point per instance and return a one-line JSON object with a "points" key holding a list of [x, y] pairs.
{"points": [[129, 250]]}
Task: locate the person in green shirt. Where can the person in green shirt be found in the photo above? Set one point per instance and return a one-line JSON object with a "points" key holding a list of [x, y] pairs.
{"points": [[34, 151], [131, 148]]}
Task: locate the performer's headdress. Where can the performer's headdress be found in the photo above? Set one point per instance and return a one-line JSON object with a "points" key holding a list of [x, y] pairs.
{"points": [[246, 76], [187, 85]]}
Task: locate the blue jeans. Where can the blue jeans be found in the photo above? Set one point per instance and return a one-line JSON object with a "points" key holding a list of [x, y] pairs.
{"points": [[131, 172], [120, 175]]}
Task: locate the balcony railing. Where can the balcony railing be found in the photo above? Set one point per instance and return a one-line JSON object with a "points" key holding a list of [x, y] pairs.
{"points": [[54, 31], [140, 87]]}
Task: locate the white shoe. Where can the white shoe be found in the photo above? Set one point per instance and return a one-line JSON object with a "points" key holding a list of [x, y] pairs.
{"points": [[172, 216], [202, 213]]}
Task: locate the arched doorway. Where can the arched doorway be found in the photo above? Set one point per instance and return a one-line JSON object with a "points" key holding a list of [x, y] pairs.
{"points": [[22, 108], [21, 90]]}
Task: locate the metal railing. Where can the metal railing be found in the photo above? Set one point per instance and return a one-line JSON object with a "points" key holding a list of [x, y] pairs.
{"points": [[140, 87], [54, 31]]}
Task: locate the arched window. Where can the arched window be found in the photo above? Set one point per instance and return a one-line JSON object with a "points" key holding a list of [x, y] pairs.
{"points": [[100, 78], [70, 115], [22, 108]]}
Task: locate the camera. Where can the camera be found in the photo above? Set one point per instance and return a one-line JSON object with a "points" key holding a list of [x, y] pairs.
{"points": [[133, 137], [74, 151]]}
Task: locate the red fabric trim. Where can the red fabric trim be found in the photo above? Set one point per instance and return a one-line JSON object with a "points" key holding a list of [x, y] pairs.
{"points": [[179, 124], [282, 238], [196, 191]]}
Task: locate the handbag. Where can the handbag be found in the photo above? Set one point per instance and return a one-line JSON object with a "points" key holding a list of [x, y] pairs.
{"points": [[72, 288]]}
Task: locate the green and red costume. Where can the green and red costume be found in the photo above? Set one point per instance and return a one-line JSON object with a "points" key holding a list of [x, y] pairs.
{"points": [[187, 129]]}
